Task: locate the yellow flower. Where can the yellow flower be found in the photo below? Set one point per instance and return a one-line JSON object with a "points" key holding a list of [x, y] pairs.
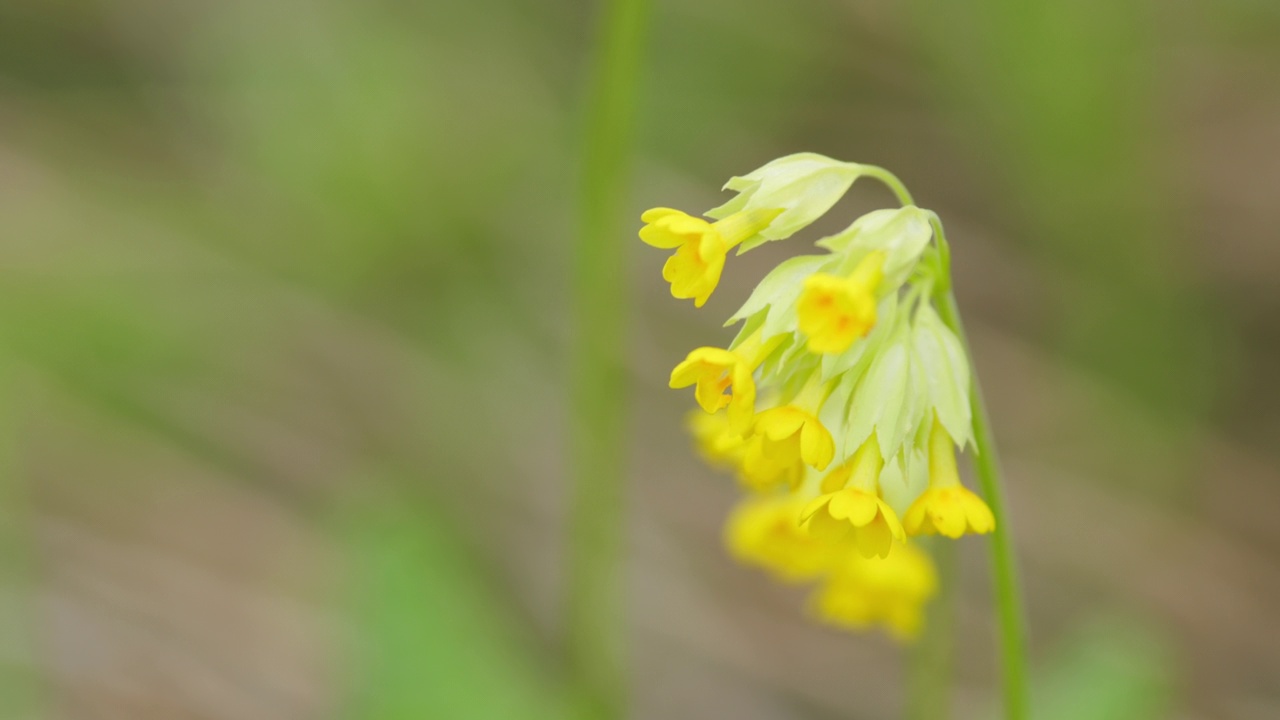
{"points": [[764, 531], [718, 444], [766, 465], [947, 507], [850, 508], [891, 592], [724, 378], [835, 311], [701, 247], [785, 439]]}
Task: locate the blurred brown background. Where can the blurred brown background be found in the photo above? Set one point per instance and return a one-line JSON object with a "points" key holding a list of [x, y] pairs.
{"points": [[283, 324]]}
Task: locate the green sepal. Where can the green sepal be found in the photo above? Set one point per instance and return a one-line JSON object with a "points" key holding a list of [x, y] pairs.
{"points": [[859, 355], [777, 294], [881, 396], [946, 369], [803, 185], [904, 477], [902, 234], [833, 414]]}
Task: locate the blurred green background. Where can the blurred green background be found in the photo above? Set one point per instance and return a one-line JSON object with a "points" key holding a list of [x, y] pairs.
{"points": [[283, 331]]}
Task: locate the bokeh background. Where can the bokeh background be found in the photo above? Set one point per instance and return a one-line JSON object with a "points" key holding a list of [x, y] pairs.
{"points": [[284, 322]]}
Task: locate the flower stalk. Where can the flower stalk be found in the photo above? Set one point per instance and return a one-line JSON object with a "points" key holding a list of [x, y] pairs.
{"points": [[595, 621], [986, 465], [1004, 570]]}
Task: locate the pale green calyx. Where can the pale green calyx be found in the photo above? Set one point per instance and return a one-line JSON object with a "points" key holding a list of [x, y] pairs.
{"points": [[901, 233], [946, 372], [804, 186]]}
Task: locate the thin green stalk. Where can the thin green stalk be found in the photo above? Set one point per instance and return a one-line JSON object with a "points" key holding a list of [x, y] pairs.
{"points": [[889, 179], [1004, 570], [986, 465], [595, 613]]}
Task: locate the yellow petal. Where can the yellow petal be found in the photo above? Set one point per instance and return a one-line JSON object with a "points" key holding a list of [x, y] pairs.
{"points": [[948, 517], [686, 373], [817, 448], [795, 476], [676, 268], [874, 540], [711, 246], [707, 282], [851, 504], [710, 394], [914, 521], [891, 520], [743, 405], [687, 225], [981, 520], [904, 621], [824, 527], [814, 506], [653, 215], [780, 423], [837, 478]]}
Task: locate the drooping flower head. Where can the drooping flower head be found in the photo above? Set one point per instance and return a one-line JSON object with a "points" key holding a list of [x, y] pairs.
{"points": [[844, 398]]}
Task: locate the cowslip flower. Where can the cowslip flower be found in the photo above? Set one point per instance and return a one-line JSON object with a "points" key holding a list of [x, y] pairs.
{"points": [[863, 391], [701, 247], [763, 531], [891, 592], [947, 507], [850, 508], [835, 311], [786, 439], [716, 440], [723, 378], [773, 203]]}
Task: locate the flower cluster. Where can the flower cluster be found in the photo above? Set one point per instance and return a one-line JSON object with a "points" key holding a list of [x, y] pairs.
{"points": [[842, 400]]}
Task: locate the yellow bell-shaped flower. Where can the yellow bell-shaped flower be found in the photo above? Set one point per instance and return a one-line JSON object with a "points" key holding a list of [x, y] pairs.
{"points": [[850, 509], [891, 592], [835, 311], [701, 247], [764, 531], [786, 439], [946, 507]]}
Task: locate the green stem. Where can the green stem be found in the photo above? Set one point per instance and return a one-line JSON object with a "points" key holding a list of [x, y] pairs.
{"points": [[986, 464], [595, 614], [889, 179], [1008, 592]]}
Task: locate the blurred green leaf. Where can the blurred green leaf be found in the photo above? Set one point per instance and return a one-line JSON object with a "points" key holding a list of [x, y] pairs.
{"points": [[20, 679], [437, 642], [1113, 669]]}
